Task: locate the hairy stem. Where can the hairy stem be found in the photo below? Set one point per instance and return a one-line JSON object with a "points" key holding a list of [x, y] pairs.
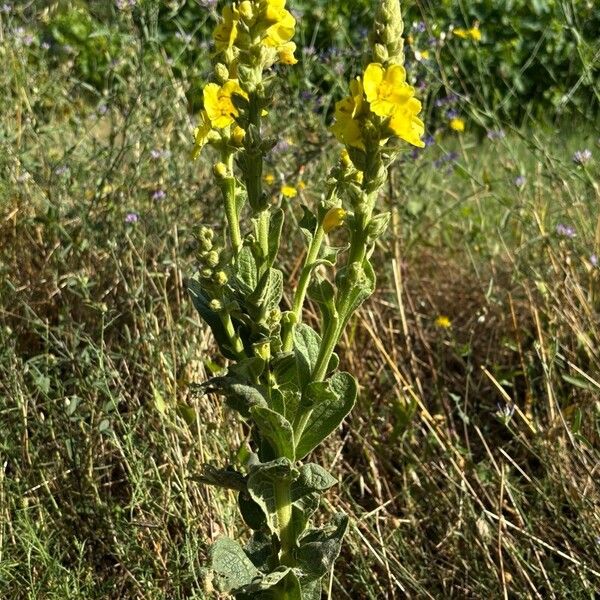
{"points": [[300, 294], [231, 210], [287, 537]]}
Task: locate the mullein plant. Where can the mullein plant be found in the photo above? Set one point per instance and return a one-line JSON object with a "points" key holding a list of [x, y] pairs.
{"points": [[283, 376]]}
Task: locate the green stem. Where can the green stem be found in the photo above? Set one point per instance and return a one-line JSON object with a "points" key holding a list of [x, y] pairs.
{"points": [[287, 537], [300, 295], [234, 338], [264, 222], [231, 208]]}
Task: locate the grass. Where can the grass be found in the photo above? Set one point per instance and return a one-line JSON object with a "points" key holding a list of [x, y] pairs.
{"points": [[470, 465]]}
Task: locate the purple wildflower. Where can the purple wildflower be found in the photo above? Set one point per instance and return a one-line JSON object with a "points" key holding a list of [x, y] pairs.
{"points": [[565, 230], [6, 9], [102, 109], [132, 217], [496, 134], [62, 170], [419, 26], [582, 157], [520, 181], [594, 260], [159, 195]]}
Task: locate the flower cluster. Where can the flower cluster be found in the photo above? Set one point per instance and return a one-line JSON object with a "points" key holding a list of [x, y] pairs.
{"points": [[381, 104], [251, 36], [266, 21]]}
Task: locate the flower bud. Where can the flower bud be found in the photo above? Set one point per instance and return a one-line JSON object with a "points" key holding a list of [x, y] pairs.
{"points": [[333, 218], [246, 11], [216, 305], [221, 73], [220, 170], [212, 258], [221, 278]]}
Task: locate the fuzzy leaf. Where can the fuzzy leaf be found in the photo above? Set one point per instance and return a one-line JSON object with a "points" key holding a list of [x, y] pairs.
{"points": [[308, 224], [276, 429], [329, 401], [251, 512], [239, 396], [267, 294], [320, 547], [378, 225], [225, 478], [306, 349], [246, 271], [229, 560], [312, 478], [261, 481]]}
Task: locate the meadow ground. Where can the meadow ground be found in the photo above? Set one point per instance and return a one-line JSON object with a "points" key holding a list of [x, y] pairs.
{"points": [[470, 466]]}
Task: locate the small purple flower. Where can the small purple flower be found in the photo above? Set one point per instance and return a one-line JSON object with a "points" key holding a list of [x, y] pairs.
{"points": [[419, 27], [565, 230], [520, 181], [582, 157], [6, 9], [62, 170], [159, 195], [281, 146], [428, 140], [496, 134], [45, 46], [594, 260], [102, 109], [155, 154], [132, 217], [451, 113]]}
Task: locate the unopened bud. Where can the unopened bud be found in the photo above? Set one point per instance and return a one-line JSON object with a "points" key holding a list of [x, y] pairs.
{"points": [[245, 10], [221, 278], [216, 305], [221, 73], [333, 218], [220, 170], [212, 258]]}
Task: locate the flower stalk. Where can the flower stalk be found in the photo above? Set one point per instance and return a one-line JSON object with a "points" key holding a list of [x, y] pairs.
{"points": [[282, 376]]}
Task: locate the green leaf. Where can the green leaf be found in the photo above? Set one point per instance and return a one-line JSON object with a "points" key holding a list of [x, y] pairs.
{"points": [[378, 225], [320, 547], [308, 223], [246, 271], [276, 429], [303, 509], [330, 402], [311, 588], [210, 317], [261, 551], [322, 292], [312, 478], [364, 286], [267, 294], [268, 582], [275, 228], [238, 396], [225, 478], [306, 349], [251, 511], [230, 562], [261, 482]]}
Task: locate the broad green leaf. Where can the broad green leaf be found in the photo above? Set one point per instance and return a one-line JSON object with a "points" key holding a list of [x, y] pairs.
{"points": [[303, 509], [331, 401], [378, 225], [276, 429], [261, 551], [363, 287], [238, 396], [320, 547], [251, 511], [268, 582], [311, 587], [312, 478], [322, 292], [261, 482], [246, 271], [225, 478], [306, 349], [267, 294], [230, 562]]}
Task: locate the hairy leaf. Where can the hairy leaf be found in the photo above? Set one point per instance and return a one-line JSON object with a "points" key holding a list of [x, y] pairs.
{"points": [[230, 562], [239, 396], [306, 349], [331, 401], [276, 429]]}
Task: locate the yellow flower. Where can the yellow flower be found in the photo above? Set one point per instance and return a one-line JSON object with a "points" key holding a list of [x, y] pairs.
{"points": [[226, 31], [218, 102], [347, 128], [386, 89], [443, 322], [405, 123], [282, 29], [269, 178], [238, 135], [333, 218], [473, 33], [457, 124], [301, 185], [286, 53], [289, 192], [201, 135]]}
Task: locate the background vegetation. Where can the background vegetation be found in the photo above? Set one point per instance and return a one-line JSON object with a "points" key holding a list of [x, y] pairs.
{"points": [[470, 466]]}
